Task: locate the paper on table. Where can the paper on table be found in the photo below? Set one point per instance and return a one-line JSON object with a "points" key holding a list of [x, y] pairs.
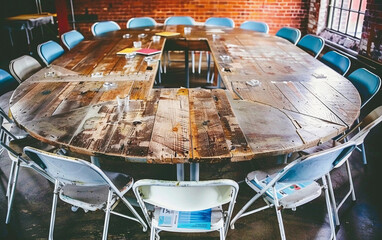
{"points": [[148, 51], [128, 50], [167, 34]]}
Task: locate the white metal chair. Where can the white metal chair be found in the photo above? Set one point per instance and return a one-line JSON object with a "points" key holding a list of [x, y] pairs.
{"points": [[364, 127], [18, 160], [201, 202], [84, 185], [23, 67], [296, 184]]}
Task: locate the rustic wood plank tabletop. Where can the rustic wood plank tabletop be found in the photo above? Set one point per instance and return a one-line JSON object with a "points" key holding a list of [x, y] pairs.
{"points": [[296, 101]]}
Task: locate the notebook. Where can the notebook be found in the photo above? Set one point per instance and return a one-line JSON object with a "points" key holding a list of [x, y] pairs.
{"points": [[147, 51], [128, 50], [189, 220], [167, 34]]}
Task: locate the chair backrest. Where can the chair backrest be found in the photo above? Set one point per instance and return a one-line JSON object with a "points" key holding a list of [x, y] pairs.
{"points": [[49, 51], [338, 62], [255, 26], [99, 28], [312, 44], [220, 21], [365, 126], [290, 34], [67, 170], [7, 82], [141, 22], [366, 82], [71, 39], [23, 67], [186, 196], [314, 166], [179, 20]]}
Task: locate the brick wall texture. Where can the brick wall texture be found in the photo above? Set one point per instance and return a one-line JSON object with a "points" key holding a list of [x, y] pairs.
{"points": [[371, 40], [277, 13]]}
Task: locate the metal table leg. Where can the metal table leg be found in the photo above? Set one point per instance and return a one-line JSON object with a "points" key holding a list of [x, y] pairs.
{"points": [[194, 172], [95, 160], [186, 63], [180, 172]]}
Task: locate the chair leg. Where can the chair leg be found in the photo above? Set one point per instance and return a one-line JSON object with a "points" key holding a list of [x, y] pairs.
{"points": [[12, 192], [208, 67], [222, 235], [245, 207], [152, 232], [107, 215], [279, 216], [329, 208], [10, 179], [193, 61], [350, 181], [200, 62], [333, 199], [139, 219], [54, 207]]}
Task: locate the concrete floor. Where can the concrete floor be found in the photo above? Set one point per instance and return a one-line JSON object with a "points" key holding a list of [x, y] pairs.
{"points": [[359, 220]]}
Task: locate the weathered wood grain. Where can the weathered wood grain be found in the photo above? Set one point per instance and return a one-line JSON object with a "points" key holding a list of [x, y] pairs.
{"points": [[208, 138], [171, 142], [291, 110]]}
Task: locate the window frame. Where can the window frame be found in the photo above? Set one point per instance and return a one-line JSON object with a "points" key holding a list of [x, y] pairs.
{"points": [[330, 17]]}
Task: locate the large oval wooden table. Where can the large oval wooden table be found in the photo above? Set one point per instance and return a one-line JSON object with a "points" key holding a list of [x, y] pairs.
{"points": [[299, 103]]}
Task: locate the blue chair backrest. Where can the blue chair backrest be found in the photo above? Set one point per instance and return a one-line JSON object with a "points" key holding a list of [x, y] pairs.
{"points": [[311, 43], [71, 39], [99, 28], [7, 82], [255, 26], [336, 61], [141, 22], [66, 169], [220, 21], [179, 20], [366, 82], [49, 51], [317, 165], [290, 34]]}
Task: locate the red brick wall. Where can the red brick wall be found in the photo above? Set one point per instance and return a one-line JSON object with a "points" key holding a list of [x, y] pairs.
{"points": [[371, 39], [277, 13]]}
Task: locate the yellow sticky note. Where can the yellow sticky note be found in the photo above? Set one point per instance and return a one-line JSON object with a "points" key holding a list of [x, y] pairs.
{"points": [[167, 34], [128, 50]]}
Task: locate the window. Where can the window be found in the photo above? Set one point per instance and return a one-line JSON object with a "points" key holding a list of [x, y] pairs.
{"points": [[346, 16]]}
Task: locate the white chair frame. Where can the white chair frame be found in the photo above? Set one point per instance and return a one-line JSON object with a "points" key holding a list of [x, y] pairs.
{"points": [[91, 176], [181, 202], [275, 202]]}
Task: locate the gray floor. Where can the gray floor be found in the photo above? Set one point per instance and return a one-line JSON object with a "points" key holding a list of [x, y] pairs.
{"points": [[359, 220]]}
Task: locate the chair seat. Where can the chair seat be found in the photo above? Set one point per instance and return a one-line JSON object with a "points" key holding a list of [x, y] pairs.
{"points": [[289, 195], [186, 225], [19, 144], [94, 197]]}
